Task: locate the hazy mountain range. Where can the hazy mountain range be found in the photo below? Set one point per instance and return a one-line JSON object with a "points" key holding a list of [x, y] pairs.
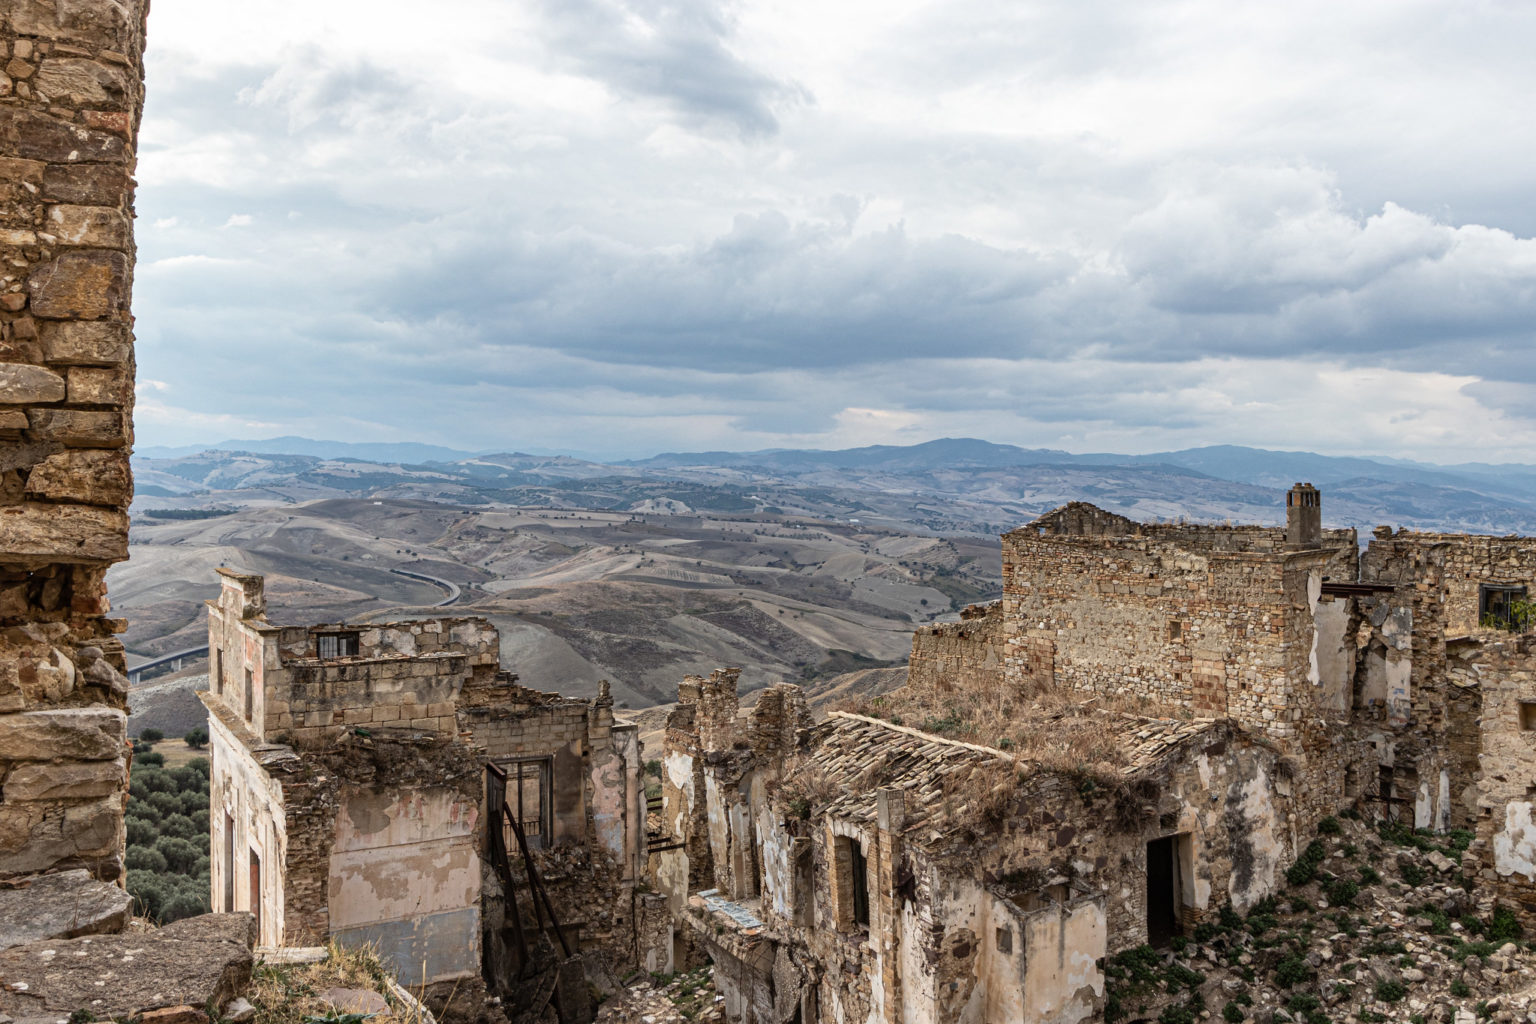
{"points": [[949, 485]]}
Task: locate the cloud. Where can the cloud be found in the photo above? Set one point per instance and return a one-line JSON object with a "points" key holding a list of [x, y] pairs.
{"points": [[666, 223], [676, 52]]}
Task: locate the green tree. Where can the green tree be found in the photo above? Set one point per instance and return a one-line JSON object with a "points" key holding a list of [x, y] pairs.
{"points": [[151, 735], [197, 739]]}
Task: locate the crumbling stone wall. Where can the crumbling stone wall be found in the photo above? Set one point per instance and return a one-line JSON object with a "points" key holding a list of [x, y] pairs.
{"points": [[955, 655], [403, 674], [1503, 669], [1470, 560], [1165, 614], [71, 93]]}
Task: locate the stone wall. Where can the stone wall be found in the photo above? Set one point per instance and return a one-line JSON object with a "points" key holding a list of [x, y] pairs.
{"points": [[957, 655], [70, 99], [1183, 617], [1469, 561], [1503, 668]]}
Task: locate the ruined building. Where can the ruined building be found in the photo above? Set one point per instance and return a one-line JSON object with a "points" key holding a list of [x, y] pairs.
{"points": [[388, 783], [70, 97], [1148, 727]]}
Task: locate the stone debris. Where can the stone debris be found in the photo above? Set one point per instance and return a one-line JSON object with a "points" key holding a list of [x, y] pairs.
{"points": [[688, 998], [62, 905]]}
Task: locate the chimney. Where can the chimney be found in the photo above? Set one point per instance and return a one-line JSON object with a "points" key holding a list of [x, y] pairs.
{"points": [[1303, 518]]}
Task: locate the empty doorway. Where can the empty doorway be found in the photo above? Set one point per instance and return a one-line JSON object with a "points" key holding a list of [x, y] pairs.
{"points": [[1163, 890]]}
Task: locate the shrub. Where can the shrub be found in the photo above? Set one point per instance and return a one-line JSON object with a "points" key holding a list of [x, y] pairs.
{"points": [[1229, 918], [1341, 892], [151, 735], [1413, 875], [1369, 875], [1233, 1013], [180, 855], [1390, 991], [1329, 826], [1503, 926], [1292, 971], [180, 826], [140, 832], [201, 765], [144, 858], [1305, 868], [1460, 989], [197, 739], [184, 904], [151, 758]]}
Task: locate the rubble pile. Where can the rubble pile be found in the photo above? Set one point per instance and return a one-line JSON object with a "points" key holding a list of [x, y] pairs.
{"points": [[1376, 922], [686, 998]]}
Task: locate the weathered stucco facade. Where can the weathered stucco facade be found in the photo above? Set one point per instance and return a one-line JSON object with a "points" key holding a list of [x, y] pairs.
{"points": [[940, 856], [71, 93]]}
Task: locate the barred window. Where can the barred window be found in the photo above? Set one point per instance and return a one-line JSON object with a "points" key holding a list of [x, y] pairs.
{"points": [[336, 645]]}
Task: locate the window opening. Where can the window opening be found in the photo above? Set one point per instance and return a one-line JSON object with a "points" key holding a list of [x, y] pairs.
{"points": [[1503, 606], [250, 693], [528, 798], [256, 890], [1528, 715], [337, 645], [218, 671], [859, 869], [229, 864]]}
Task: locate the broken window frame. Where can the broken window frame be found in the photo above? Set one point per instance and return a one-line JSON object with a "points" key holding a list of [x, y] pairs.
{"points": [[537, 822], [852, 888], [337, 645], [1500, 606]]}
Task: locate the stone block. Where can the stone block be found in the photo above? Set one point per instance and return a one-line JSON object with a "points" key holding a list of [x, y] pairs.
{"points": [[38, 835], [198, 961], [39, 533], [88, 285], [102, 227], [90, 476], [80, 427], [36, 136], [78, 82], [89, 184], [75, 734], [78, 781], [61, 906], [21, 384]]}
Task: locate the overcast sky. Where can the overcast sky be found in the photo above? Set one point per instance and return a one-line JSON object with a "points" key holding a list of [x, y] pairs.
{"points": [[627, 226]]}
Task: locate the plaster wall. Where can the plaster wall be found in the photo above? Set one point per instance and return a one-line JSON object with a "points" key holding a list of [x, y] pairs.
{"points": [[246, 818], [405, 875]]}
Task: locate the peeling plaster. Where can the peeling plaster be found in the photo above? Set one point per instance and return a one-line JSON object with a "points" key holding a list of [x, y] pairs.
{"points": [[1514, 849]]}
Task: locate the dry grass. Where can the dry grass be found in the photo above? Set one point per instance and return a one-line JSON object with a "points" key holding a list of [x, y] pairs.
{"points": [[1057, 730], [290, 993]]}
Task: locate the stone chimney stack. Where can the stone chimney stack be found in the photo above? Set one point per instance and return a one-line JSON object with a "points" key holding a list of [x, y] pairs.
{"points": [[1303, 518]]}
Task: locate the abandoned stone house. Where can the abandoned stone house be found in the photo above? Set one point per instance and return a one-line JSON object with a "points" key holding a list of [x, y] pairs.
{"points": [[362, 775], [1157, 716]]}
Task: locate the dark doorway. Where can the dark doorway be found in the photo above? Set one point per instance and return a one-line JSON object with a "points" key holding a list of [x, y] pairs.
{"points": [[860, 872], [1162, 910], [256, 891]]}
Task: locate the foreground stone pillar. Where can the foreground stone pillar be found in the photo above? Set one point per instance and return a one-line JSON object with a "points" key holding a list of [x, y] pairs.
{"points": [[71, 93]]}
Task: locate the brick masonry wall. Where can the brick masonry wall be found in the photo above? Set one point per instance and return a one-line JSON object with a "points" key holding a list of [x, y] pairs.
{"points": [[71, 91]]}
